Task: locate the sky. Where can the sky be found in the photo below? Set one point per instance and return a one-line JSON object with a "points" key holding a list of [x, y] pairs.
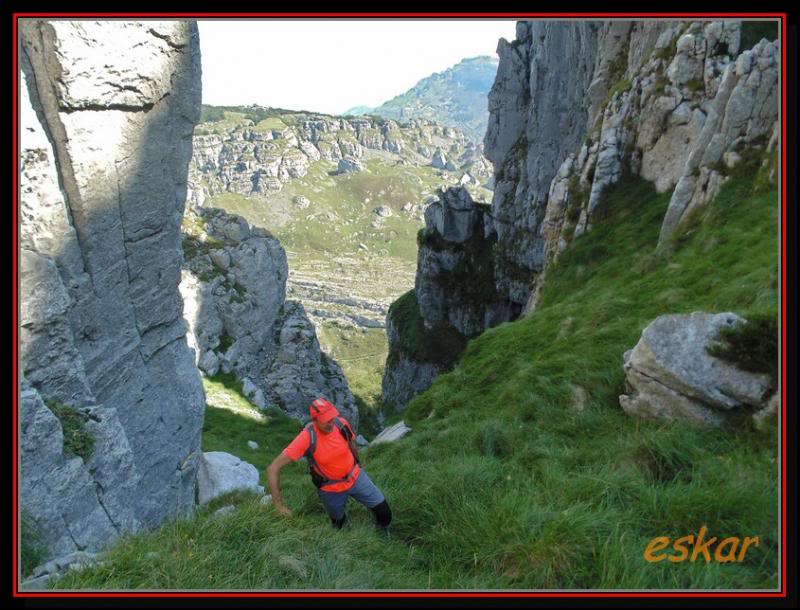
{"points": [[332, 65]]}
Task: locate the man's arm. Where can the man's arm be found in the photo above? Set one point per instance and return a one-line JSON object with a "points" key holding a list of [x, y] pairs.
{"points": [[274, 482]]}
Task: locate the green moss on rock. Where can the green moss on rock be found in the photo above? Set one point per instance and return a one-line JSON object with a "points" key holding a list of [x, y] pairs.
{"points": [[77, 438], [440, 345]]}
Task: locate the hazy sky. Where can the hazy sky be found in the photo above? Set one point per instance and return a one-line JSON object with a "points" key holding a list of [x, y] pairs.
{"points": [[332, 65]]}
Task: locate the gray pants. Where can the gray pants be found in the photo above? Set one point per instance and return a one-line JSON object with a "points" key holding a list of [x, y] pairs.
{"points": [[363, 490]]}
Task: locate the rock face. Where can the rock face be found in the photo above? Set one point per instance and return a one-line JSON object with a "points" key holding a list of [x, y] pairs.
{"points": [[234, 290], [574, 107], [257, 161], [667, 101], [221, 472], [454, 297], [404, 375], [741, 115], [670, 374], [107, 114]]}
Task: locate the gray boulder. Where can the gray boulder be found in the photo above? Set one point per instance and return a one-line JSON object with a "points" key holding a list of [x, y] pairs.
{"points": [[671, 375], [349, 165], [221, 472]]}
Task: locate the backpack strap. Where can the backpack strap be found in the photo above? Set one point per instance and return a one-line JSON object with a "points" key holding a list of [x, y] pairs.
{"points": [[347, 433], [312, 446]]}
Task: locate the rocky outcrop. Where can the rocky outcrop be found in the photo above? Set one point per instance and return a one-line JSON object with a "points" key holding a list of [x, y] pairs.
{"points": [[741, 116], [107, 114], [638, 101], [55, 568], [454, 297], [404, 375], [348, 165], [671, 375], [234, 291], [680, 106], [257, 160], [301, 371]]}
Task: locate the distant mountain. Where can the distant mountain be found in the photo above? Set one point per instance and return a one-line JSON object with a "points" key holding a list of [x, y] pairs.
{"points": [[457, 97]]}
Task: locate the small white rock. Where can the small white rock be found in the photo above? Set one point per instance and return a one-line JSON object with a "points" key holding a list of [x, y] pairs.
{"points": [[225, 510]]}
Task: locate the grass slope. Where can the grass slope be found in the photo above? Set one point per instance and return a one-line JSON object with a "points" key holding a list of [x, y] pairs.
{"points": [[521, 470]]}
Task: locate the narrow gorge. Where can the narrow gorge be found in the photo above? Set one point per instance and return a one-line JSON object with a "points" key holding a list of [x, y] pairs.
{"points": [[555, 342]]}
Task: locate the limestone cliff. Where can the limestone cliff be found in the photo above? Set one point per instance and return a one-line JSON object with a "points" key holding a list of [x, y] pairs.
{"points": [[577, 105], [107, 113], [258, 159], [234, 291]]}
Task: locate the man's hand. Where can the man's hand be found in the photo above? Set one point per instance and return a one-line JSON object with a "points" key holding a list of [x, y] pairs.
{"points": [[274, 482], [283, 511]]}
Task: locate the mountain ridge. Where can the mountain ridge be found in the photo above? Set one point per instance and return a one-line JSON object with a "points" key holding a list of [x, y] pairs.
{"points": [[470, 79]]}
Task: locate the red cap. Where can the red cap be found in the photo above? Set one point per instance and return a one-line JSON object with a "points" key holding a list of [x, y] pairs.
{"points": [[322, 410]]}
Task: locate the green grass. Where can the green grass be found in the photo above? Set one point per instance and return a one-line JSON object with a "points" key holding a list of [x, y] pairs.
{"points": [[77, 439], [361, 352], [592, 485], [440, 345], [32, 550], [521, 470], [270, 124]]}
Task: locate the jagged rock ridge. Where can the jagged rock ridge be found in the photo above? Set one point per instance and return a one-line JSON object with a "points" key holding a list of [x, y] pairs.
{"points": [[256, 160]]}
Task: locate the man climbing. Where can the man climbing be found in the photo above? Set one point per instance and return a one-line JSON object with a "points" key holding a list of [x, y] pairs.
{"points": [[329, 444]]}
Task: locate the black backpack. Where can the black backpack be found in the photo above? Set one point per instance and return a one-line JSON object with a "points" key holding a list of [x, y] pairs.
{"points": [[314, 470]]}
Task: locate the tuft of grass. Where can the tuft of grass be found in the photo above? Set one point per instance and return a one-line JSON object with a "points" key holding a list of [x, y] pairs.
{"points": [[752, 345], [695, 85], [78, 440], [32, 549]]}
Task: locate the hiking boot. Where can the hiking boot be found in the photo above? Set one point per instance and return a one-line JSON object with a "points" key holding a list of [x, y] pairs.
{"points": [[342, 523]]}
